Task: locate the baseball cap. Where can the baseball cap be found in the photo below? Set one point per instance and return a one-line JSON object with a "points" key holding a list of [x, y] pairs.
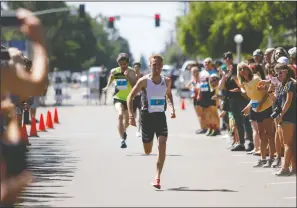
{"points": [[123, 57], [283, 60], [292, 52], [228, 55], [257, 52]]}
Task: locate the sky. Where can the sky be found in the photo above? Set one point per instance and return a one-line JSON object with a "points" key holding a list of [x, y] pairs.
{"points": [[141, 33]]}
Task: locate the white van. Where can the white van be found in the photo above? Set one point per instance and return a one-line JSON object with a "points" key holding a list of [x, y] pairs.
{"points": [[93, 82]]}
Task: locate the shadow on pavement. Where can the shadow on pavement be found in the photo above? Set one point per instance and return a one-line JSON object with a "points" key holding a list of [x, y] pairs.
{"points": [[198, 190], [52, 167], [141, 154]]}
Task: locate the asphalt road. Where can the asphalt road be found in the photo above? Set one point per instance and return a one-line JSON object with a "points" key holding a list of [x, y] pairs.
{"points": [[80, 163]]}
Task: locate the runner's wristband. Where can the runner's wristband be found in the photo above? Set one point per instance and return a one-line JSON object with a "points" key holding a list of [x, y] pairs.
{"points": [[15, 157]]}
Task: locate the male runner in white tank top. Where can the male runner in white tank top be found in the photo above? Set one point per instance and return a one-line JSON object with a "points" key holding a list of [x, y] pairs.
{"points": [[155, 88]]}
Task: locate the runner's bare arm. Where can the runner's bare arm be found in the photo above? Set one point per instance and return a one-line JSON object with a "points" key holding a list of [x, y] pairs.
{"points": [[110, 80], [169, 94], [141, 83], [131, 78]]}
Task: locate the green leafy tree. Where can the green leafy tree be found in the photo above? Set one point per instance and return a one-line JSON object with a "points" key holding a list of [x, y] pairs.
{"points": [[73, 43], [209, 28]]}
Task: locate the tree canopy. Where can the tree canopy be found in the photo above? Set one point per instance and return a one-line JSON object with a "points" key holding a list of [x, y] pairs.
{"points": [[74, 43], [209, 27]]}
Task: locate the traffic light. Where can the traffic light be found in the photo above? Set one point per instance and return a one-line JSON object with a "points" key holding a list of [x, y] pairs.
{"points": [[157, 20], [81, 10], [111, 22]]}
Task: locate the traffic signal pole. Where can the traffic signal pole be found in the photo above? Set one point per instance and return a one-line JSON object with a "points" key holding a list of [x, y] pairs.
{"points": [[118, 17]]}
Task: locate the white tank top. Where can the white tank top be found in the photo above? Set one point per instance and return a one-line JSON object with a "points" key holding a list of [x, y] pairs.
{"points": [[155, 95]]}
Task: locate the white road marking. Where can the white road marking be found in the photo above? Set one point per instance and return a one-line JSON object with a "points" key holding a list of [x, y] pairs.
{"points": [[280, 183], [292, 197]]}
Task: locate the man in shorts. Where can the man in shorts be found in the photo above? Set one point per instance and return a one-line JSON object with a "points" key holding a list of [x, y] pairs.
{"points": [[124, 78], [137, 98], [155, 88]]}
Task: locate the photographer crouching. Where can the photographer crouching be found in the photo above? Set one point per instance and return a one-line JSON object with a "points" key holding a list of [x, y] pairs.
{"points": [[16, 80]]}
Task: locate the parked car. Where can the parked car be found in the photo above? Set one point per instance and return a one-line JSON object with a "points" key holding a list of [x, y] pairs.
{"points": [[174, 74], [75, 77], [183, 79], [166, 70], [93, 81], [171, 72]]}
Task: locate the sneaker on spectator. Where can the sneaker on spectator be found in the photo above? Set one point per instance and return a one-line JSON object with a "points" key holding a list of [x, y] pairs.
{"points": [[251, 152], [215, 132], [209, 132], [277, 162], [292, 172], [201, 131], [249, 147], [282, 172], [257, 153], [231, 146], [259, 163], [238, 147], [268, 163]]}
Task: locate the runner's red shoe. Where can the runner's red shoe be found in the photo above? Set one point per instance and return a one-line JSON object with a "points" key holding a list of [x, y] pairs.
{"points": [[156, 183]]}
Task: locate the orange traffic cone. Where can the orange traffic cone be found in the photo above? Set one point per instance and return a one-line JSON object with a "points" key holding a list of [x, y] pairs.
{"points": [[24, 135], [49, 121], [41, 123], [183, 106], [33, 130], [56, 117]]}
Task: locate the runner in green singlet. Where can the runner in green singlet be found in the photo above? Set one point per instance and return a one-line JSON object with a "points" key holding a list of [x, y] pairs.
{"points": [[125, 79]]}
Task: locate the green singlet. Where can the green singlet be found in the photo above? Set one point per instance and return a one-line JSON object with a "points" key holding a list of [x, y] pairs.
{"points": [[122, 86]]}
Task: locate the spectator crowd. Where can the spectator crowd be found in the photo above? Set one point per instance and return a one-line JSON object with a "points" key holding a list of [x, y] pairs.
{"points": [[256, 100]]}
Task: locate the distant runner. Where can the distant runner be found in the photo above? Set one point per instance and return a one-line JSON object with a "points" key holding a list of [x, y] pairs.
{"points": [[124, 77]]}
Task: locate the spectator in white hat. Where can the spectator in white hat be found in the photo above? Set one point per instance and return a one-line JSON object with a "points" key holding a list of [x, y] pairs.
{"points": [[283, 60]]}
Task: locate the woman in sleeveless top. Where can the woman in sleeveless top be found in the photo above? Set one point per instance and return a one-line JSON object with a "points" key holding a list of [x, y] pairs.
{"points": [[193, 85]]}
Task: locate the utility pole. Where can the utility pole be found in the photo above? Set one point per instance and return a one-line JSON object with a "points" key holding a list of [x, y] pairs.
{"points": [[185, 7]]}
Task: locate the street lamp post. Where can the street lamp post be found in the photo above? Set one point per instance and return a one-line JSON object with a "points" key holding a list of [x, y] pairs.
{"points": [[238, 39], [269, 45]]}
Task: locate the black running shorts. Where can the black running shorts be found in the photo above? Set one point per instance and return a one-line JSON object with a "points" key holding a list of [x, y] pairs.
{"points": [[124, 103], [151, 124], [136, 103]]}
